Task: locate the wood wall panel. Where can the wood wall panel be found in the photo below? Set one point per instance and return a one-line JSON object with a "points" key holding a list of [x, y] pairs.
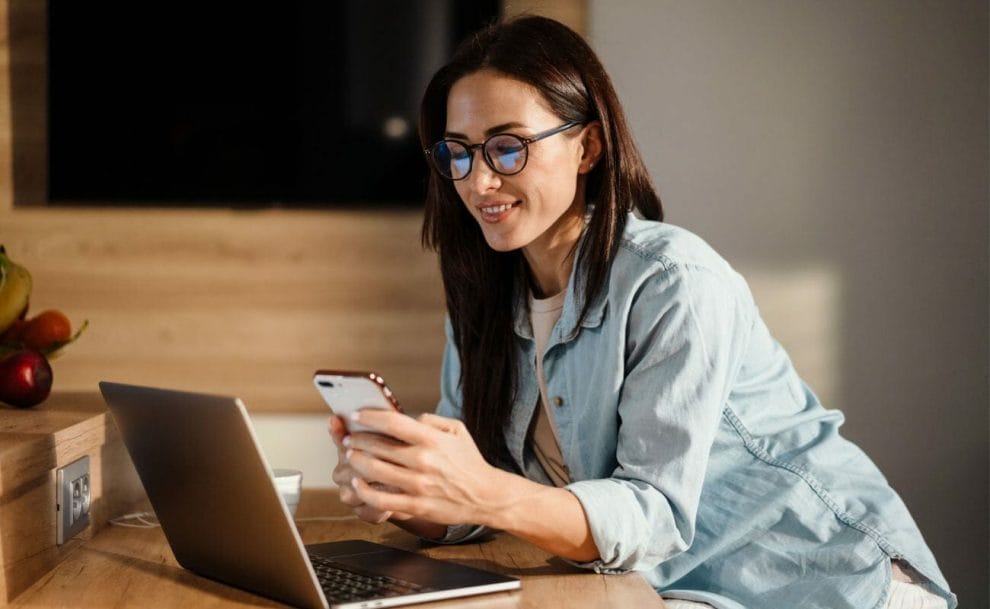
{"points": [[236, 302], [27, 53], [248, 303], [6, 129]]}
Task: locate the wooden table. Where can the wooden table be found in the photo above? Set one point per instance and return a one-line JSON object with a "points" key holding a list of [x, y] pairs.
{"points": [[125, 567]]}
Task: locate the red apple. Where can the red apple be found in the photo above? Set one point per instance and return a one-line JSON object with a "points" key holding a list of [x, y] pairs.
{"points": [[25, 378]]}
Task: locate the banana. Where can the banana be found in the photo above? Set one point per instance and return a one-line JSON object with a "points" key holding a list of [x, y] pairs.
{"points": [[15, 289]]}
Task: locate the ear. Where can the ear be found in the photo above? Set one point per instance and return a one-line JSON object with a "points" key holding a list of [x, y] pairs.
{"points": [[592, 146]]}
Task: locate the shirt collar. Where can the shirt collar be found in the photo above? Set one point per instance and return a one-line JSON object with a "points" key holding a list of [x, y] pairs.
{"points": [[573, 304]]}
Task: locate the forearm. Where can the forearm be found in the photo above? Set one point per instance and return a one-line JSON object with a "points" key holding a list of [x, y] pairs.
{"points": [[438, 475], [548, 517]]}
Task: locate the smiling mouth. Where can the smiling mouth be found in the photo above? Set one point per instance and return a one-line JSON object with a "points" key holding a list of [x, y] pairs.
{"points": [[494, 211]]}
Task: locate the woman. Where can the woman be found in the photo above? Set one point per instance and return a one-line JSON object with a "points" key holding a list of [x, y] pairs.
{"points": [[609, 392]]}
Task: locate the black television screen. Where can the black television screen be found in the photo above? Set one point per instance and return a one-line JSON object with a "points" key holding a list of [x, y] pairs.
{"points": [[275, 104]]}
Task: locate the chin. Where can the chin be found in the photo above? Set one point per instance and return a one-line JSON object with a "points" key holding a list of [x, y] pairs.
{"points": [[501, 243]]}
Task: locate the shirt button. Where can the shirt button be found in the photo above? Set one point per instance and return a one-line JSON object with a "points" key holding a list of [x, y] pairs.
{"points": [[558, 401]]}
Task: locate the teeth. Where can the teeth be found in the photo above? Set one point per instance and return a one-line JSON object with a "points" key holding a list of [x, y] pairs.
{"points": [[496, 209]]}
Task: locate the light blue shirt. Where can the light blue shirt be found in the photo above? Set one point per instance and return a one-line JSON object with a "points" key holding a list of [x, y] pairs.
{"points": [[699, 456]]}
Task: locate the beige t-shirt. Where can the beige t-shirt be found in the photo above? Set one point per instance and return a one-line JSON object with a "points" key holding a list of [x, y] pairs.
{"points": [[543, 315]]}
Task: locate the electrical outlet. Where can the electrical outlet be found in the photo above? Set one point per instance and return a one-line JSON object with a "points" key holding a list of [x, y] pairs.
{"points": [[72, 499]]}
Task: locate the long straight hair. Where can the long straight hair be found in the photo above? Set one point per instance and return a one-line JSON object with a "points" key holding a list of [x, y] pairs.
{"points": [[482, 285]]}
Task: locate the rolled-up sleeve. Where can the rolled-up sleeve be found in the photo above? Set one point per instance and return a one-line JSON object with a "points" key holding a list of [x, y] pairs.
{"points": [[685, 334]]}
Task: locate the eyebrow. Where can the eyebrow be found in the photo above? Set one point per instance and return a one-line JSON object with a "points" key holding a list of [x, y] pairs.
{"points": [[488, 132]]}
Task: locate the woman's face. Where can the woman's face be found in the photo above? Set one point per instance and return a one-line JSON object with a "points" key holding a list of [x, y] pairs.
{"points": [[540, 208]]}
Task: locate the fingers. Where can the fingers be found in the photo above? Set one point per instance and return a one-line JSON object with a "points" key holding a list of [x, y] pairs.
{"points": [[384, 448], [424, 429], [342, 474], [368, 467], [412, 458], [349, 497], [372, 515], [378, 499], [366, 438], [397, 425]]}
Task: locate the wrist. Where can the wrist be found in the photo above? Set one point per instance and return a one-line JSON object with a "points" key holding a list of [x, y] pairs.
{"points": [[505, 497], [549, 517]]}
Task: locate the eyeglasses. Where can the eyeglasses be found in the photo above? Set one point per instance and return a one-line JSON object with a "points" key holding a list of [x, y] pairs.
{"points": [[505, 153]]}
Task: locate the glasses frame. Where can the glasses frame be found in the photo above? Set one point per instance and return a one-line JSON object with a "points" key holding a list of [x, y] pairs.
{"points": [[526, 141]]}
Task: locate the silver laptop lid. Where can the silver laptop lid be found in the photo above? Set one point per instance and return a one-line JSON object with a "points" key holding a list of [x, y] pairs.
{"points": [[212, 490]]}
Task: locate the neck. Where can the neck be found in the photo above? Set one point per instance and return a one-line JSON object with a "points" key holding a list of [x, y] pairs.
{"points": [[551, 258]]}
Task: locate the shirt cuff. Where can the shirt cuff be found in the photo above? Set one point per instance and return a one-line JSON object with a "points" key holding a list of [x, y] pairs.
{"points": [[599, 508], [460, 533], [598, 566]]}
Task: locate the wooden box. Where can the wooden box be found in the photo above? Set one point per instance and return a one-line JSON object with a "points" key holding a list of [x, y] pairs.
{"points": [[34, 443]]}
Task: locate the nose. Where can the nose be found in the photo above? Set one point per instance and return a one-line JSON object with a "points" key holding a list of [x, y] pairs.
{"points": [[482, 178]]}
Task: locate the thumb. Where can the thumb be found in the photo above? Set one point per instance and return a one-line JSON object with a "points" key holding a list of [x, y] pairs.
{"points": [[337, 429]]}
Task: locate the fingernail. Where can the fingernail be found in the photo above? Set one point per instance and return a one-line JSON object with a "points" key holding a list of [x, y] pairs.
{"points": [[348, 453], [354, 483], [355, 416], [346, 441]]}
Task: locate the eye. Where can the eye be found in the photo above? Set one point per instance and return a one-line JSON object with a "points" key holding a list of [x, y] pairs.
{"points": [[507, 151], [457, 152], [505, 145]]}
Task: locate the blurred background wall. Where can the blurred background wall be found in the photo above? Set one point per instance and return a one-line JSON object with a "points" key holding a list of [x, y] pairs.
{"points": [[843, 140]]}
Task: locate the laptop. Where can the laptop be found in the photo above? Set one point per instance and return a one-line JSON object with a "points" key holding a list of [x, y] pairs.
{"points": [[214, 495]]}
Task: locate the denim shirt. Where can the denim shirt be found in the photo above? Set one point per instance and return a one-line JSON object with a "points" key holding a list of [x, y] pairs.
{"points": [[699, 456]]}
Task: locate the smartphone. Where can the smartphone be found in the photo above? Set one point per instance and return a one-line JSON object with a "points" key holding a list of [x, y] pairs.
{"points": [[348, 391]]}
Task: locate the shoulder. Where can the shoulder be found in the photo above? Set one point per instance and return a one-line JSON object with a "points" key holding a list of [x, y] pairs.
{"points": [[657, 266], [660, 267], [659, 249], [664, 275], [669, 290]]}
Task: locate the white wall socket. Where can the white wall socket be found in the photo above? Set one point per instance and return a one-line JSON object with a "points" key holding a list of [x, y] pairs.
{"points": [[72, 499]]}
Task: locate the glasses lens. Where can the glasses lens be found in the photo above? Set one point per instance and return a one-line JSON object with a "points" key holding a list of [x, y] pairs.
{"points": [[507, 153], [452, 159]]}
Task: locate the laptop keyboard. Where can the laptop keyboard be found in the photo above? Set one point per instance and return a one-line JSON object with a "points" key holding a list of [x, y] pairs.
{"points": [[343, 583]]}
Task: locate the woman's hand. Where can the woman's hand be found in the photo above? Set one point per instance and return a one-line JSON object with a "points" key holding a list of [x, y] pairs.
{"points": [[435, 474], [343, 474], [432, 465]]}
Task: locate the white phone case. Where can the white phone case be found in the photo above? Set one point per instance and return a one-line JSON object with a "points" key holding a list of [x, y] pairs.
{"points": [[346, 392]]}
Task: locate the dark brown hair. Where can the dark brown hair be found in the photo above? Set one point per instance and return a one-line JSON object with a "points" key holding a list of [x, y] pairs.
{"points": [[482, 285]]}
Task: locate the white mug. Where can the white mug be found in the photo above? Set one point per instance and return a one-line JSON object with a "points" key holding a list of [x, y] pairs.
{"points": [[289, 485]]}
